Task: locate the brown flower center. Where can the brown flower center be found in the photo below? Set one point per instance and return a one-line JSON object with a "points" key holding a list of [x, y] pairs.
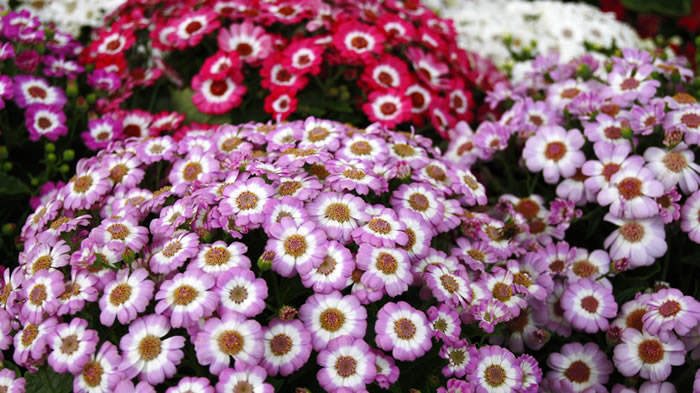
{"points": [[238, 294], [386, 263], [613, 132], [449, 283], [230, 342], [318, 134], [37, 92], [346, 366], [632, 232], [578, 372], [150, 347], [651, 351], [92, 373], [172, 248], [118, 231], [436, 173], [281, 344], [184, 295], [359, 42], [193, 27], [609, 170], [634, 319], [288, 188], [419, 202], [570, 93], [42, 263], [404, 328], [403, 150], [629, 84], [29, 334], [361, 148], [217, 256], [584, 269], [691, 120], [244, 49], [555, 151], [522, 279], [590, 304], [675, 161], [120, 294], [218, 88], [246, 200], [327, 266], [338, 212], [669, 308], [38, 295], [69, 344], [388, 108], [354, 174], [191, 171], [44, 123], [630, 188], [528, 208], [495, 375], [379, 225], [331, 319], [82, 184], [295, 245], [502, 291]]}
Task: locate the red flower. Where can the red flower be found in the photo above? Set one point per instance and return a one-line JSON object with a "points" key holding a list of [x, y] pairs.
{"points": [[358, 41], [388, 107], [280, 104], [216, 96], [275, 75], [304, 56], [389, 72]]}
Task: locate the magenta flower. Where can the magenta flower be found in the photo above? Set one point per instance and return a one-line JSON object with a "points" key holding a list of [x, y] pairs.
{"points": [[85, 187], [554, 151], [186, 298], [386, 269], [10, 382], [72, 344], [444, 322], [496, 369], [240, 292], [287, 347], [297, 248], [333, 273], [330, 316], [101, 371], [42, 293], [125, 297], [172, 252], [632, 192], [45, 121], [461, 357], [31, 341], [233, 336], [588, 305], [580, 367], [382, 229], [403, 330], [243, 378], [421, 199], [347, 364]]}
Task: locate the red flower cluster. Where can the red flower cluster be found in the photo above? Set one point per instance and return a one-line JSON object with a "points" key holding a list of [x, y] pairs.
{"points": [[396, 60]]}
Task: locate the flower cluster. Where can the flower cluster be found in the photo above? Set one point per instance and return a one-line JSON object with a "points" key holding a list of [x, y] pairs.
{"points": [[70, 15], [397, 62], [617, 140], [505, 30]]}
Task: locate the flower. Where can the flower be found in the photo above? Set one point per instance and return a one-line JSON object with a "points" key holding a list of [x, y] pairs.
{"points": [[668, 309], [332, 315], [554, 151], [647, 355], [45, 121], [287, 347], [588, 304], [384, 268], [233, 336], [347, 364], [147, 353], [186, 298], [580, 367], [101, 371], [676, 166], [71, 345], [41, 293], [192, 384], [639, 240], [173, 252], [631, 193], [296, 247], [10, 382], [240, 292], [690, 219], [496, 369], [125, 297], [403, 330], [243, 378], [249, 41], [357, 40]]}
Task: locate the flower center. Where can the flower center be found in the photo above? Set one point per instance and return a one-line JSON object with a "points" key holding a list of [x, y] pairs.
{"points": [[230, 144], [120, 294], [288, 188], [418, 202], [217, 256], [132, 130], [379, 225], [118, 172], [281, 344], [630, 187], [387, 264], [495, 375], [590, 304], [150, 347], [691, 120], [502, 291], [29, 334], [457, 357], [238, 294], [193, 27], [609, 170], [555, 151], [536, 120], [629, 84], [327, 266], [354, 173], [244, 49], [385, 79], [359, 42], [172, 248], [218, 88], [69, 344], [230, 342], [338, 212], [118, 231], [184, 295], [191, 171], [44, 123], [634, 319], [528, 208], [37, 92], [318, 134], [243, 387], [41, 263], [346, 366], [403, 150], [569, 93], [675, 161], [82, 183], [449, 283], [613, 132], [417, 99], [440, 325], [38, 295], [92, 373], [522, 279], [669, 308], [584, 269], [247, 200], [361, 148], [404, 328], [650, 351], [295, 245], [411, 239], [113, 45], [578, 372], [518, 323], [332, 319], [436, 173], [632, 232], [387, 108], [557, 266]]}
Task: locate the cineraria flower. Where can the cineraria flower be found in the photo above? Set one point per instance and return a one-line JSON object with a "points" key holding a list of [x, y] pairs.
{"points": [[192, 384], [641, 241], [388, 107], [690, 217], [10, 382], [240, 292], [186, 298], [403, 330], [85, 187], [218, 257], [496, 369], [357, 40], [72, 344], [147, 353], [233, 336], [125, 297], [173, 252], [647, 355], [447, 286], [287, 347], [444, 322], [330, 316], [333, 273], [249, 41], [420, 199], [554, 151], [668, 309], [30, 90], [580, 367], [297, 248], [532, 374], [347, 364], [31, 341], [631, 193], [101, 132], [217, 96], [676, 166], [383, 229], [243, 378], [42, 293], [45, 121], [245, 201], [386, 269], [461, 358], [588, 304], [100, 374]]}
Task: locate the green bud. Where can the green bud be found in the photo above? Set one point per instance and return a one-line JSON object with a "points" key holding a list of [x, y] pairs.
{"points": [[627, 133], [51, 157], [265, 260], [68, 155], [3, 153], [91, 98], [583, 71], [34, 182], [7, 166], [333, 91], [64, 168], [8, 229], [50, 147], [72, 89]]}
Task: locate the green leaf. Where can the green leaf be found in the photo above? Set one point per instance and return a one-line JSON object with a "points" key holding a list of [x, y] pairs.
{"points": [[664, 7], [47, 381], [10, 185]]}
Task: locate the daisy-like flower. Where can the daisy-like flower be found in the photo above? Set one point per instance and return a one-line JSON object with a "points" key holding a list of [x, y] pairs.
{"points": [[101, 132], [419, 234], [125, 231], [10, 383], [687, 120], [496, 371], [387, 371], [333, 273], [186, 298], [147, 353], [347, 364], [420, 198], [280, 104], [388, 107], [42, 293], [403, 330], [690, 217], [490, 312], [384, 268], [245, 201], [430, 70], [357, 41], [675, 166], [296, 247], [588, 265], [580, 367], [588, 305], [364, 148], [44, 257], [30, 342], [31, 90], [668, 309], [444, 322], [243, 378], [502, 288], [173, 252], [240, 292], [192, 385], [388, 72], [287, 347], [198, 166], [233, 336], [304, 55], [641, 241], [532, 374], [219, 257], [125, 297], [330, 316], [100, 374], [628, 85], [45, 121], [461, 358], [554, 151], [448, 286], [72, 344], [249, 41], [85, 187], [632, 192], [190, 29], [647, 355], [382, 229], [355, 176], [217, 96]]}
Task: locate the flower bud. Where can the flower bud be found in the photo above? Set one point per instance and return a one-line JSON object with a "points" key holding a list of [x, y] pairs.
{"points": [[68, 155], [265, 260], [8, 229], [7, 166], [287, 313], [50, 147]]}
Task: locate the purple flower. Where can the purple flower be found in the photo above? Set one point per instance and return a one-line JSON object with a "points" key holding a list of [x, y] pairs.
{"points": [[631, 194], [287, 347], [296, 247], [147, 353], [250, 378], [333, 273], [461, 358], [387, 371], [444, 322], [532, 374], [554, 151], [240, 292], [385, 269], [448, 286], [192, 384], [330, 316], [668, 309], [31, 90], [31, 341], [101, 132], [674, 167], [627, 84], [245, 201], [648, 356], [690, 217], [641, 241], [42, 293], [580, 367], [173, 252], [186, 298], [338, 214], [233, 336], [45, 121], [403, 330], [383, 229], [87, 186], [106, 81], [496, 369], [421, 199], [10, 383], [101, 372], [72, 345], [347, 364], [125, 297], [588, 305]]}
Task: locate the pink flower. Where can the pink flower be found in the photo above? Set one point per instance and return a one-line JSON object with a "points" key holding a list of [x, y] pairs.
{"points": [[554, 151], [588, 305], [403, 330], [648, 356]]}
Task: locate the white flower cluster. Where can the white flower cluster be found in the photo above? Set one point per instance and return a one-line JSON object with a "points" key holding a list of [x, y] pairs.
{"points": [[69, 15], [540, 26]]}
